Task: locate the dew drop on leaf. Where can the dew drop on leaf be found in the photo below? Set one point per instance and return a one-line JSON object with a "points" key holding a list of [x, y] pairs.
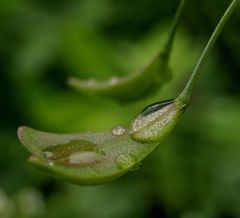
{"points": [[125, 161], [156, 107], [156, 121], [150, 114], [118, 130], [83, 157]]}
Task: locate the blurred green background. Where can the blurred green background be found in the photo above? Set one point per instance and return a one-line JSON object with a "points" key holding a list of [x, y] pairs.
{"points": [[195, 172]]}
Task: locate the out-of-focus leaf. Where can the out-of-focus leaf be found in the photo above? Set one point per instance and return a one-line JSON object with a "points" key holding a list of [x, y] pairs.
{"points": [[132, 87]]}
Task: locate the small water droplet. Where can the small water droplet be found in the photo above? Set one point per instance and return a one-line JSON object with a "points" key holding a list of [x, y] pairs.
{"points": [[125, 161], [118, 130], [83, 157], [113, 80]]}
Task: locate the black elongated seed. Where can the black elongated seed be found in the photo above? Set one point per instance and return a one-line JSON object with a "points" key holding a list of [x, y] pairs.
{"points": [[156, 106]]}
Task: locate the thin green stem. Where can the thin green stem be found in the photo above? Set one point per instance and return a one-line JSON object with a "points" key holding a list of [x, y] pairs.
{"points": [[185, 96], [176, 21]]}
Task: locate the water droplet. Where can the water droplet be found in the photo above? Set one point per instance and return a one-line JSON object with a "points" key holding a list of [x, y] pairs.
{"points": [[154, 122], [118, 130], [143, 120], [156, 107], [83, 157], [125, 161], [63, 151], [113, 80]]}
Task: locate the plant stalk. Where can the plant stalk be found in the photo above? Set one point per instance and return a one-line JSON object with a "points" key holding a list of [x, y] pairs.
{"points": [[186, 94], [176, 21]]}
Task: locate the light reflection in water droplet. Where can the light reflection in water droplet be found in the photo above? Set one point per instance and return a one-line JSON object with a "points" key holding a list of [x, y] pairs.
{"points": [[142, 121], [125, 161], [83, 157], [118, 130]]}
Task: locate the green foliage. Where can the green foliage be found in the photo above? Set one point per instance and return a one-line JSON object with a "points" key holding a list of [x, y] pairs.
{"points": [[194, 173], [85, 158], [133, 87], [95, 158], [140, 84]]}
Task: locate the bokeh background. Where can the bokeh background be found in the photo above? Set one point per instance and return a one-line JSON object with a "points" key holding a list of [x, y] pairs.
{"points": [[195, 172]]}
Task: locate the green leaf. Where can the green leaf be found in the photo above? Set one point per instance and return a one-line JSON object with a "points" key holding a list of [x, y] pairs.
{"points": [[84, 158], [97, 157], [140, 84], [156, 121], [132, 87]]}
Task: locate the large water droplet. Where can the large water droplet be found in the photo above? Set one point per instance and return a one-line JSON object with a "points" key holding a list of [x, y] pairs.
{"points": [[118, 130], [125, 161], [63, 151], [155, 121], [143, 120], [83, 157], [156, 106]]}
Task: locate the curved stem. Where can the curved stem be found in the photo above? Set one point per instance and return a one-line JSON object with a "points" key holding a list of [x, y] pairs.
{"points": [[185, 95], [177, 18]]}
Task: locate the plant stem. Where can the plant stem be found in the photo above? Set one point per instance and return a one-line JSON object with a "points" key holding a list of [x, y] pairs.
{"points": [[185, 95], [177, 18]]}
